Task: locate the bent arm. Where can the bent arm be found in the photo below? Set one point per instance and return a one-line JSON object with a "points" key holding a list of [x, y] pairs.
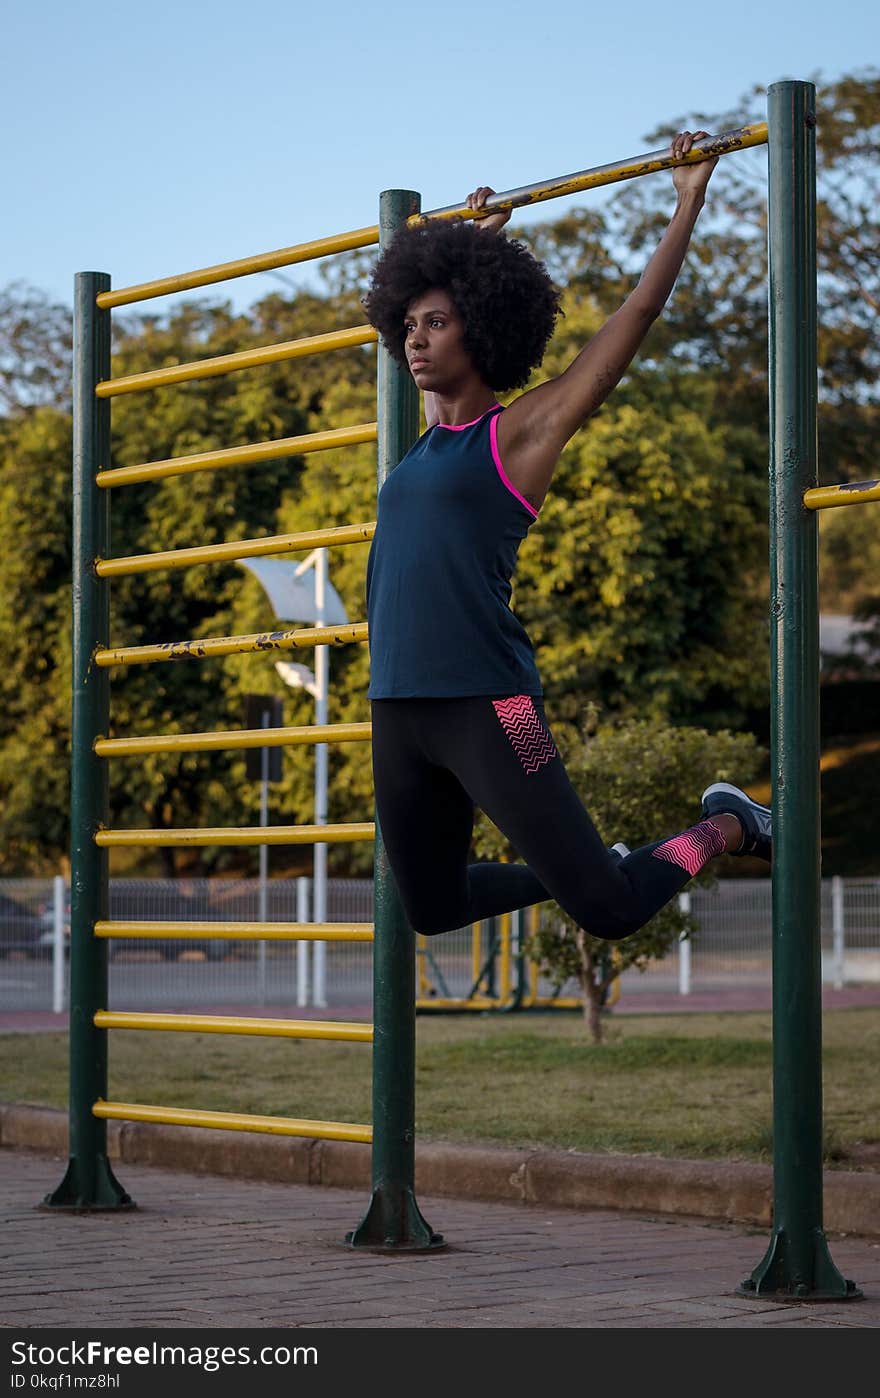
{"points": [[489, 223]]}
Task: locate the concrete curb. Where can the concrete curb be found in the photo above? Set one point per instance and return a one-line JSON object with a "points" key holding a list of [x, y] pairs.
{"points": [[717, 1190]]}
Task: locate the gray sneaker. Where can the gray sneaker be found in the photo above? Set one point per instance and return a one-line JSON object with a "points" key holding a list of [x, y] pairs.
{"points": [[756, 821]]}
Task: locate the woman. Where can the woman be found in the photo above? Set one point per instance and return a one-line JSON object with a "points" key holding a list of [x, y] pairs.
{"points": [[458, 719]]}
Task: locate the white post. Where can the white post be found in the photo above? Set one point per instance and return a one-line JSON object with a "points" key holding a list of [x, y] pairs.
{"points": [[322, 676], [58, 952], [838, 960], [684, 950], [264, 861], [302, 948]]}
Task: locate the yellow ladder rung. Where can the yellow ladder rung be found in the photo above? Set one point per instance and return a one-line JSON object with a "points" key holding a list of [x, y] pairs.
{"points": [[271, 545], [827, 497], [233, 645], [235, 738], [250, 455], [235, 1024], [242, 359], [243, 931], [440, 1002], [233, 1121], [250, 835], [240, 267]]}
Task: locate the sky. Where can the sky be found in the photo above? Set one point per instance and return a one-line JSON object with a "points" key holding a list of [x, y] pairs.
{"points": [[149, 140]]}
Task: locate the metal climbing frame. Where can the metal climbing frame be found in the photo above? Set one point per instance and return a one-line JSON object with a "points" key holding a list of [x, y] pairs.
{"points": [[89, 1182], [797, 1263]]}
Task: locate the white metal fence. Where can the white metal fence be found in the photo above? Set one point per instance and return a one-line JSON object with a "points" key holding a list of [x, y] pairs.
{"points": [[730, 951]]}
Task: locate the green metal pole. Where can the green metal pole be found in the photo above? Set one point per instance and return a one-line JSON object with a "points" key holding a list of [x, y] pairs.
{"points": [[89, 1182], [393, 1220], [797, 1263]]}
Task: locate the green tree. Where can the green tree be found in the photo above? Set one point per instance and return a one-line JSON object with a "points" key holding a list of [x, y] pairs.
{"points": [[206, 507], [335, 488], [717, 317], [36, 337], [643, 585], [35, 449], [281, 400]]}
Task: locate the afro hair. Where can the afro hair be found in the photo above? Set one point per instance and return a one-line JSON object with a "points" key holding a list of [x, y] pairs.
{"points": [[503, 294]]}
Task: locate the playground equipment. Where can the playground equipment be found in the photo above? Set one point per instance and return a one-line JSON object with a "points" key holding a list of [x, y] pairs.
{"points": [[504, 977], [797, 1262]]}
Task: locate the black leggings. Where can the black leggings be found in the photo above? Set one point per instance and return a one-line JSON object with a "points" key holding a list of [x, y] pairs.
{"points": [[434, 760]]}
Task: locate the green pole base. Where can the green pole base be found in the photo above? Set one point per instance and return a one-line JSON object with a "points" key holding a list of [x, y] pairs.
{"points": [[778, 1278], [89, 1191], [394, 1224]]}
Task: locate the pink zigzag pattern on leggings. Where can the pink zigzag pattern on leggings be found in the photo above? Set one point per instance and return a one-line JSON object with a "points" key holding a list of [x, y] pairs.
{"points": [[529, 738], [693, 849]]}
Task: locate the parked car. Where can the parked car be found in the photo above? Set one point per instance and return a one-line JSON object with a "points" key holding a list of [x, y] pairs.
{"points": [[184, 904], [171, 949], [20, 929]]}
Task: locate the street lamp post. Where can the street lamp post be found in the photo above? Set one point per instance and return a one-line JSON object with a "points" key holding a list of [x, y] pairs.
{"points": [[303, 592], [322, 684]]}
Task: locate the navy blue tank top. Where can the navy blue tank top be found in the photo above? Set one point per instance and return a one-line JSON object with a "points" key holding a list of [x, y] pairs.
{"points": [[448, 530]]}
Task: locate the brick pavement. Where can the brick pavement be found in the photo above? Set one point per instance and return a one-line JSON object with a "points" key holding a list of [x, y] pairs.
{"points": [[208, 1252]]}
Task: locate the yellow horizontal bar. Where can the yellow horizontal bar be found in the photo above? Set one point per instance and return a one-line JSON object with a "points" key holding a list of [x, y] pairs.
{"points": [[236, 1024], [631, 168], [234, 1121], [246, 548], [241, 267], [827, 497], [234, 645], [243, 738], [243, 359], [239, 456], [242, 931], [554, 1002], [240, 835], [440, 1002]]}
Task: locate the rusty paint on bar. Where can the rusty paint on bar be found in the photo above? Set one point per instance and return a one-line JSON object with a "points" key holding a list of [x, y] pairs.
{"points": [[233, 645], [633, 168], [829, 497]]}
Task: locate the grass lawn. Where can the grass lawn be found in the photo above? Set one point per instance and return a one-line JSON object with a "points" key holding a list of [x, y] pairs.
{"points": [[693, 1085]]}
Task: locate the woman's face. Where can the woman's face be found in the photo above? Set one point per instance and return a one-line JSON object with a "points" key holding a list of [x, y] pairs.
{"points": [[434, 344]]}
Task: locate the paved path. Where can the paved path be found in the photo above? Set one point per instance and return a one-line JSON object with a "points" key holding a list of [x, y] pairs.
{"points": [[202, 1252]]}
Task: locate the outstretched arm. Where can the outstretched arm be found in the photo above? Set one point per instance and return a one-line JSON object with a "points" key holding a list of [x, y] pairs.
{"points": [[535, 428]]}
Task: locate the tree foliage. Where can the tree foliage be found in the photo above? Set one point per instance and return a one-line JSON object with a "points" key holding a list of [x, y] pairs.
{"points": [[643, 585], [717, 317], [624, 584], [36, 337]]}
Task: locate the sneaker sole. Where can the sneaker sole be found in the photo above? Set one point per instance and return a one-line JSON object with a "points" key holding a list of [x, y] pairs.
{"points": [[727, 789]]}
